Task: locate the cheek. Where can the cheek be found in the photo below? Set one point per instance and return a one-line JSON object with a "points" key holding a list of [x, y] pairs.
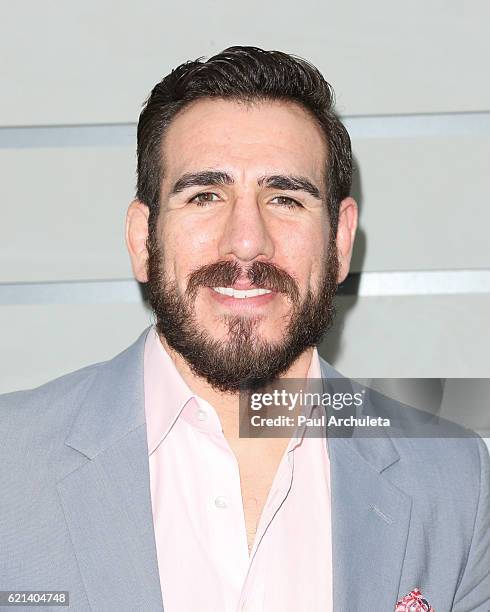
{"points": [[188, 245], [303, 254]]}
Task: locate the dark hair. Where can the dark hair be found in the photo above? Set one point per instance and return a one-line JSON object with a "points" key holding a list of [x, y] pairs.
{"points": [[245, 74]]}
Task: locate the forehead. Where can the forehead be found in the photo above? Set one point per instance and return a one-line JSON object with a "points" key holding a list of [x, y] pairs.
{"points": [[245, 139]]}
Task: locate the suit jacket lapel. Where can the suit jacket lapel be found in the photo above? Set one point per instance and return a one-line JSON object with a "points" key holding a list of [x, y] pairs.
{"points": [[106, 500], [370, 521]]}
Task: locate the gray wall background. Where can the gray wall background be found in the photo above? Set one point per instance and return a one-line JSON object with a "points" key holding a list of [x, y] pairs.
{"points": [[411, 84]]}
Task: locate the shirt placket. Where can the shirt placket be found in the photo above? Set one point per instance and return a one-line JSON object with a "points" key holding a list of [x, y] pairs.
{"points": [[223, 503], [252, 595]]}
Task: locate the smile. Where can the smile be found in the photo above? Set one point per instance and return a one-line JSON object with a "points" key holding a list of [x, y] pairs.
{"points": [[240, 293]]}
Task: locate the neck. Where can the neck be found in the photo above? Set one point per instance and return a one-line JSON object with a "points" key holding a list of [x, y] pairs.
{"points": [[226, 404]]}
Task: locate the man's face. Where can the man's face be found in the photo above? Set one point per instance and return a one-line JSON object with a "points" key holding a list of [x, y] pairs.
{"points": [[241, 269]]}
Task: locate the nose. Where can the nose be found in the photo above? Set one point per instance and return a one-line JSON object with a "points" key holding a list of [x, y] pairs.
{"points": [[245, 234]]}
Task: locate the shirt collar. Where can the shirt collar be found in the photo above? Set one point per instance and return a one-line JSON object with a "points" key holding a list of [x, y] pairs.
{"points": [[167, 393], [315, 370]]}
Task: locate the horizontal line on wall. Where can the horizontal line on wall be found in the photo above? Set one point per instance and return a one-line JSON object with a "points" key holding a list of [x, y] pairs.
{"points": [[369, 126], [426, 282], [52, 136], [409, 126], [367, 284]]}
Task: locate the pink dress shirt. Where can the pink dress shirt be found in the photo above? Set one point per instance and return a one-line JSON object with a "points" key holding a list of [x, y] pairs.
{"points": [[199, 523]]}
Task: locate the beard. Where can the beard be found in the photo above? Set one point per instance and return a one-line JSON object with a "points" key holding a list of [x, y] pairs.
{"points": [[244, 360]]}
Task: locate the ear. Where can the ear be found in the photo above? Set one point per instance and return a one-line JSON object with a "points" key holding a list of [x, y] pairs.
{"points": [[346, 231], [136, 236]]}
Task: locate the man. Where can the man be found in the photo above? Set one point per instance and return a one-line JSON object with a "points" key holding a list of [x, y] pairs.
{"points": [[128, 484]]}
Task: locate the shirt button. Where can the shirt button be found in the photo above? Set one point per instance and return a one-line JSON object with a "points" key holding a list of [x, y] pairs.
{"points": [[202, 414], [220, 502]]}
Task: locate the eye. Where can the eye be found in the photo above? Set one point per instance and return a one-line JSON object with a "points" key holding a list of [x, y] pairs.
{"points": [[203, 198], [288, 202]]}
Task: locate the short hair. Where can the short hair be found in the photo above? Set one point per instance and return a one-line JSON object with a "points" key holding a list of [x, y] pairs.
{"points": [[244, 74]]}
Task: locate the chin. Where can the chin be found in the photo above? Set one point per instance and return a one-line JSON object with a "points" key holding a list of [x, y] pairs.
{"points": [[219, 331]]}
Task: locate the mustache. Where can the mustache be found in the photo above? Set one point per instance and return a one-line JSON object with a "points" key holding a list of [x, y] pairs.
{"points": [[261, 274]]}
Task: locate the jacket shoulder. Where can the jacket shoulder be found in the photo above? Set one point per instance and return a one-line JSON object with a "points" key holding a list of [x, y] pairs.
{"points": [[34, 423], [55, 389]]}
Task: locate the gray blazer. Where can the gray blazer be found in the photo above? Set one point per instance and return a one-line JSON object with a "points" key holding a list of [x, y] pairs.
{"points": [[75, 510]]}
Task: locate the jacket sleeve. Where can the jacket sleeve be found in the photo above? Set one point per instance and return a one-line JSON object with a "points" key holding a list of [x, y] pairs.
{"points": [[473, 593]]}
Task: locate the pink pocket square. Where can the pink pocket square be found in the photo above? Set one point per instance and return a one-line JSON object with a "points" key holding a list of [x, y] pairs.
{"points": [[413, 602]]}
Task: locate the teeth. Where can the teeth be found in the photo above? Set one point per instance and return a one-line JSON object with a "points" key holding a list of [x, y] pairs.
{"points": [[241, 293]]}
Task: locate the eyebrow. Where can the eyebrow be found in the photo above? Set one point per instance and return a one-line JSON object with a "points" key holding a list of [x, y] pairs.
{"points": [[218, 177], [290, 183]]}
